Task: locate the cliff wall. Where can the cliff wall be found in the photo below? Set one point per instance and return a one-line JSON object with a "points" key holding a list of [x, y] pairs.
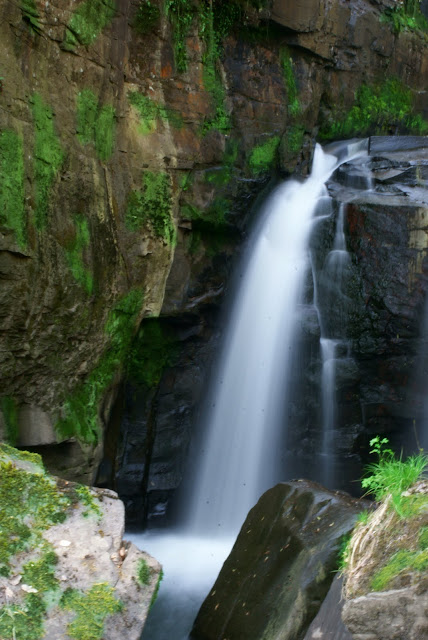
{"points": [[134, 137]]}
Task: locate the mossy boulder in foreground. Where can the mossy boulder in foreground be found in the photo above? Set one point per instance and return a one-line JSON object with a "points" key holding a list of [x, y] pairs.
{"points": [[65, 570]]}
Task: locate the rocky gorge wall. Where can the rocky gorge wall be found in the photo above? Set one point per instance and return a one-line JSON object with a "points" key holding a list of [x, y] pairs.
{"points": [[134, 139]]}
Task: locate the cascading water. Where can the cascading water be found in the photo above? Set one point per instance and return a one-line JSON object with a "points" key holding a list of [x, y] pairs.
{"points": [[238, 459]]}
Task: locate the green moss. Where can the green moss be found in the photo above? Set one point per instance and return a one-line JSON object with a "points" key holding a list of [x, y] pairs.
{"points": [[85, 497], [10, 415], [30, 15], [31, 503], [75, 250], [263, 156], [400, 561], [48, 157], [384, 108], [143, 572], [105, 132], [81, 409], [150, 111], [87, 22], [180, 14], [212, 31], [40, 574], [156, 591], [96, 123], [24, 621], [152, 206], [91, 609], [7, 453], [290, 82], [12, 211], [406, 17], [294, 139], [147, 17], [87, 112], [154, 348]]}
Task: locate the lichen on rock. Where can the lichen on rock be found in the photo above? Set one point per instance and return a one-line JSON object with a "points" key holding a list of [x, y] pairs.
{"points": [[65, 570]]}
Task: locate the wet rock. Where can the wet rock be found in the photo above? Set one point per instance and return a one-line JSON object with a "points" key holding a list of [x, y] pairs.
{"points": [[280, 567]]}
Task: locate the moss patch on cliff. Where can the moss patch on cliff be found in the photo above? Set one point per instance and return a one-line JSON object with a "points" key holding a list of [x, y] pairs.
{"points": [[153, 349], [384, 108], [180, 14], [81, 409], [87, 22], [290, 82], [48, 157], [75, 251], [263, 156], [91, 608], [405, 17], [216, 21], [12, 210], [9, 410], [146, 17], [96, 123], [152, 206], [150, 112], [294, 139]]}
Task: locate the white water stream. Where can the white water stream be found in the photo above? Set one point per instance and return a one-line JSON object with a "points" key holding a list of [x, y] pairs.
{"points": [[238, 459]]}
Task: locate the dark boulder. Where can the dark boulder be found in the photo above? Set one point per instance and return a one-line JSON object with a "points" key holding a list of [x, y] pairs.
{"points": [[281, 566]]}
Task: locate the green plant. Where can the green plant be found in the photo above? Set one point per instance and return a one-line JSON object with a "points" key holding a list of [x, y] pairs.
{"points": [[401, 560], [263, 156], [87, 22], [180, 14], [216, 21], [378, 109], [405, 16], [48, 157], [156, 591], [290, 82], [143, 572], [146, 17], [30, 14], [91, 608], [391, 476], [152, 206]]}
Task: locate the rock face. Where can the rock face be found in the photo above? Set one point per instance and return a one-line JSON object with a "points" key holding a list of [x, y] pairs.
{"points": [[72, 573], [280, 567], [377, 316]]}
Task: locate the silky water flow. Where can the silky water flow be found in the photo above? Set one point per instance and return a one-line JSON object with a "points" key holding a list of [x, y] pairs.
{"points": [[243, 418]]}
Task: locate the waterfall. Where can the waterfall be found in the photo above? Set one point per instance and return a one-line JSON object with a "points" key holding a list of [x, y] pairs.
{"points": [[238, 458]]}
